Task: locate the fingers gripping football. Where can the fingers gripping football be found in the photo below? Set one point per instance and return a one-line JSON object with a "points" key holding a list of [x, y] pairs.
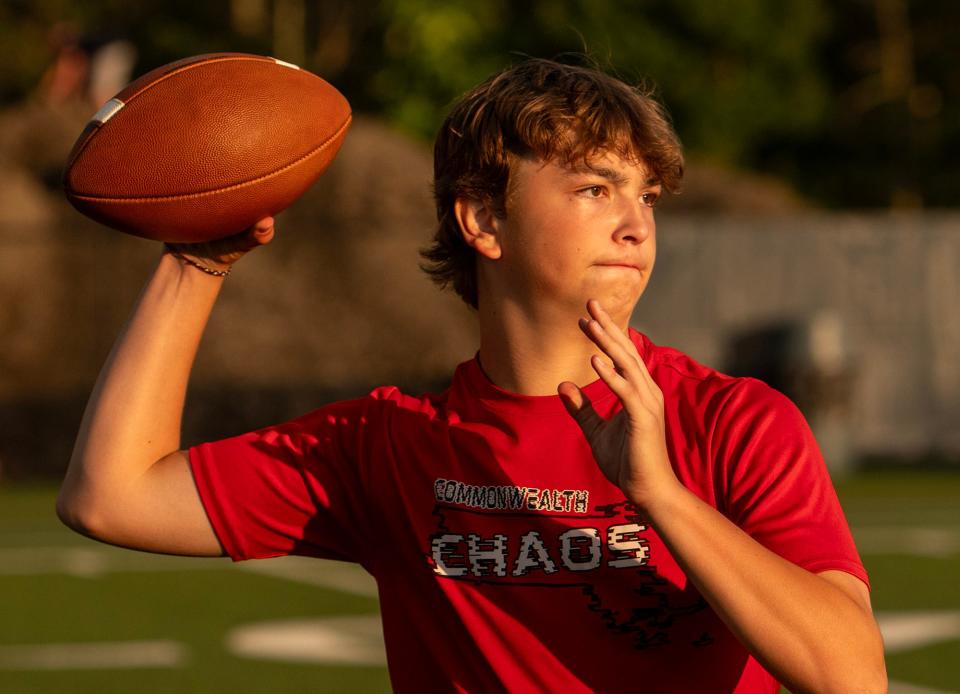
{"points": [[221, 254]]}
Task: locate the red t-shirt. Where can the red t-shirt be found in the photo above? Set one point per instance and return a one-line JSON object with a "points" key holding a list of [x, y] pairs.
{"points": [[504, 559]]}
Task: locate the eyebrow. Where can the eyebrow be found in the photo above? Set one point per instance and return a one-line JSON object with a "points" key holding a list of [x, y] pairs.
{"points": [[611, 175]]}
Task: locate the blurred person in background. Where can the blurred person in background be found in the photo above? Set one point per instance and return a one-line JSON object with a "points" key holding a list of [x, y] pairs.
{"points": [[88, 68], [85, 71]]}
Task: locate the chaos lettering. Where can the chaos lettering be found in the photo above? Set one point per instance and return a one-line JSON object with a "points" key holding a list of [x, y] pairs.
{"points": [[575, 550]]}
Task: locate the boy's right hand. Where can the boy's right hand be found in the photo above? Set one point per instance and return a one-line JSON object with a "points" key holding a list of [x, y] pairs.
{"points": [[223, 253]]}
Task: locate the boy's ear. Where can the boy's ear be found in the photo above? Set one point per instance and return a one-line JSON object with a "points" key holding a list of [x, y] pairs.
{"points": [[479, 225]]}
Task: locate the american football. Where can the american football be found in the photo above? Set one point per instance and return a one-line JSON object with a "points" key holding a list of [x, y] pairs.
{"points": [[202, 148]]}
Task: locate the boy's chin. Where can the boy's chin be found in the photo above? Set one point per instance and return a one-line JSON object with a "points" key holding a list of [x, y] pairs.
{"points": [[619, 304], [615, 297]]}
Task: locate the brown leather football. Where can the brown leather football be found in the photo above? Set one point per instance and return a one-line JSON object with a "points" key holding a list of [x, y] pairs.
{"points": [[202, 148]]}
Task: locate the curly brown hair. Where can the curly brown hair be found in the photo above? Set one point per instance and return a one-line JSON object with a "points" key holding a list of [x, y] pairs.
{"points": [[539, 109]]}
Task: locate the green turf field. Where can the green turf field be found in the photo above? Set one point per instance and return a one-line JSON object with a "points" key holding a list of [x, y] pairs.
{"points": [[82, 617]]}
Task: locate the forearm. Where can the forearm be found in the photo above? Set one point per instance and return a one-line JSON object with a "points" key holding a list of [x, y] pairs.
{"points": [[807, 632], [134, 413]]}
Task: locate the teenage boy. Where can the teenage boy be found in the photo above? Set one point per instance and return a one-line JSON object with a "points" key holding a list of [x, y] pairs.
{"points": [[581, 509]]}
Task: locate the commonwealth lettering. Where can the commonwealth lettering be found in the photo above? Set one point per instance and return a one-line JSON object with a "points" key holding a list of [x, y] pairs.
{"points": [[511, 497]]}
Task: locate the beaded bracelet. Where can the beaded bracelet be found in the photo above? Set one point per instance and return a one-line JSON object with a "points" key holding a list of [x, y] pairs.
{"points": [[199, 266]]}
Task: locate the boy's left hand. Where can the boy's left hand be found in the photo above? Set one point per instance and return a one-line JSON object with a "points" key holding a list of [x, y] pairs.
{"points": [[630, 447]]}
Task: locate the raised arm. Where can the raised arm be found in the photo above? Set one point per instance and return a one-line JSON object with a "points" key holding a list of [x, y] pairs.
{"points": [[128, 483]]}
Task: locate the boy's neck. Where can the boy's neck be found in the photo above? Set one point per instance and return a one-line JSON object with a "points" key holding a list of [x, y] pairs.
{"points": [[531, 354]]}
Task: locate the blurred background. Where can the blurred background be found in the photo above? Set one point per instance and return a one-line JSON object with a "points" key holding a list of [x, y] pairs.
{"points": [[816, 245]]}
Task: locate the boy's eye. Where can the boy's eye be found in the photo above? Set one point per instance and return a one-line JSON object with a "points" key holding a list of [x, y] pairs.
{"points": [[649, 199], [594, 191]]}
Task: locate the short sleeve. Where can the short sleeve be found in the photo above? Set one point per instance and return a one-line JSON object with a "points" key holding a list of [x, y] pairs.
{"points": [[776, 484], [294, 488]]}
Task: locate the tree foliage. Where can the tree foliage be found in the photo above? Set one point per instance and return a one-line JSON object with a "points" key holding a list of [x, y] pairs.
{"points": [[855, 102]]}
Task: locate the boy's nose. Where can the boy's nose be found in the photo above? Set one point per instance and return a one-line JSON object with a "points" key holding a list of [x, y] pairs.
{"points": [[636, 223]]}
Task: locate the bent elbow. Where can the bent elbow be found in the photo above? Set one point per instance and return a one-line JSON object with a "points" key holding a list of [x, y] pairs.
{"points": [[873, 682], [74, 513], [67, 511], [876, 679], [867, 678], [875, 673]]}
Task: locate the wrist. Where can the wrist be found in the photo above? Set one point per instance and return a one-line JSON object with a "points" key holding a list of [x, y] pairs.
{"points": [[187, 261], [185, 275], [658, 501]]}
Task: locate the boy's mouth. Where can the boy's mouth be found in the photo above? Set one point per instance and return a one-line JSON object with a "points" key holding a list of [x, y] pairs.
{"points": [[620, 264]]}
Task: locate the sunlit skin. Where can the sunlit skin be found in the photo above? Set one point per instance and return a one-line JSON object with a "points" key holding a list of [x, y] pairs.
{"points": [[568, 235]]}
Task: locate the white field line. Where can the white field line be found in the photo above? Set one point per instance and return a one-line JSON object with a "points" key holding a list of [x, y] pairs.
{"points": [[915, 541], [94, 561], [337, 575], [354, 640], [905, 631], [93, 656]]}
